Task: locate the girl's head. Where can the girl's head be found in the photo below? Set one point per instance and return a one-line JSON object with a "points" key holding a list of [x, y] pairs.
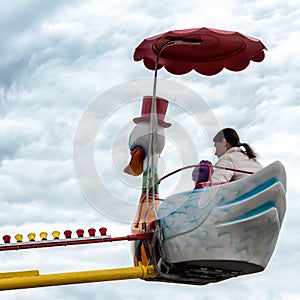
{"points": [[228, 138], [230, 135], [224, 140]]}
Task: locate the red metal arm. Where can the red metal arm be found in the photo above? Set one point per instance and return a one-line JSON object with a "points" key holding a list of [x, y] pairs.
{"points": [[77, 241]]}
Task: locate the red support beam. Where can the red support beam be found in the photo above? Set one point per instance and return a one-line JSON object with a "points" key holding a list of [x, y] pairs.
{"points": [[71, 241]]}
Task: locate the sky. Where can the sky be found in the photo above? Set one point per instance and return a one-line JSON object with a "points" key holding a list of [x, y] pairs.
{"points": [[67, 77]]}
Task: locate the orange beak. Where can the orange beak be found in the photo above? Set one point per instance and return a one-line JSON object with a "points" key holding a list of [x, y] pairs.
{"points": [[135, 166]]}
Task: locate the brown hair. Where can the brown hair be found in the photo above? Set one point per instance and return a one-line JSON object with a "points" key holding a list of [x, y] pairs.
{"points": [[231, 136]]}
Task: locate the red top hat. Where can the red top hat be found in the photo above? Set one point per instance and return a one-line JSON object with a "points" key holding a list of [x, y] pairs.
{"points": [[161, 108]]}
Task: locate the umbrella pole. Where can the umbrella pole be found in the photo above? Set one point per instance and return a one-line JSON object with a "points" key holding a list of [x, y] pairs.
{"points": [[152, 162], [166, 45]]}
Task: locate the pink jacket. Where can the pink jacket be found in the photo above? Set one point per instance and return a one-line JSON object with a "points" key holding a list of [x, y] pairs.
{"points": [[234, 158]]}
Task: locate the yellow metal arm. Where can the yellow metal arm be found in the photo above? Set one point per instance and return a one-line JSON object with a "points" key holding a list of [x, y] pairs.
{"points": [[32, 279]]}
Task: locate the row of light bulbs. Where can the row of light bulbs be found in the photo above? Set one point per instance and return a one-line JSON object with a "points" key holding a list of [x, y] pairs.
{"points": [[55, 234]]}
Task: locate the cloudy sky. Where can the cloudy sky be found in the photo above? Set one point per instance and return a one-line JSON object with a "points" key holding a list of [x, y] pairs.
{"points": [[64, 60]]}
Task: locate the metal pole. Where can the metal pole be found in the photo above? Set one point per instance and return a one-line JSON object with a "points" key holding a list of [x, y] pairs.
{"points": [[70, 242], [152, 161], [32, 279]]}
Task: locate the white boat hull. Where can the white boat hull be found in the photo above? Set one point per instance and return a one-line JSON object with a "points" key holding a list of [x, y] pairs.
{"points": [[232, 227]]}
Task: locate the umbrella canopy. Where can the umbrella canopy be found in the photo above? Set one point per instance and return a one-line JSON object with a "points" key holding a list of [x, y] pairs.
{"points": [[205, 50]]}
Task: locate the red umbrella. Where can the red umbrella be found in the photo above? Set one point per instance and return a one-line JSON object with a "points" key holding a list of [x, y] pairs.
{"points": [[205, 50]]}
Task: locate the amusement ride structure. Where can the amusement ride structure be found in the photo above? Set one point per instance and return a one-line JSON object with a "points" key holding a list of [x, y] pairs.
{"points": [[214, 232]]}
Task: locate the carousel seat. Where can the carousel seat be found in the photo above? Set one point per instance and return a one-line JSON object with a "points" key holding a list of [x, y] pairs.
{"points": [[217, 232]]}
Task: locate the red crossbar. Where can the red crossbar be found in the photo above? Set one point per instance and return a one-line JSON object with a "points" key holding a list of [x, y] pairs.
{"points": [[206, 165], [77, 241]]}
